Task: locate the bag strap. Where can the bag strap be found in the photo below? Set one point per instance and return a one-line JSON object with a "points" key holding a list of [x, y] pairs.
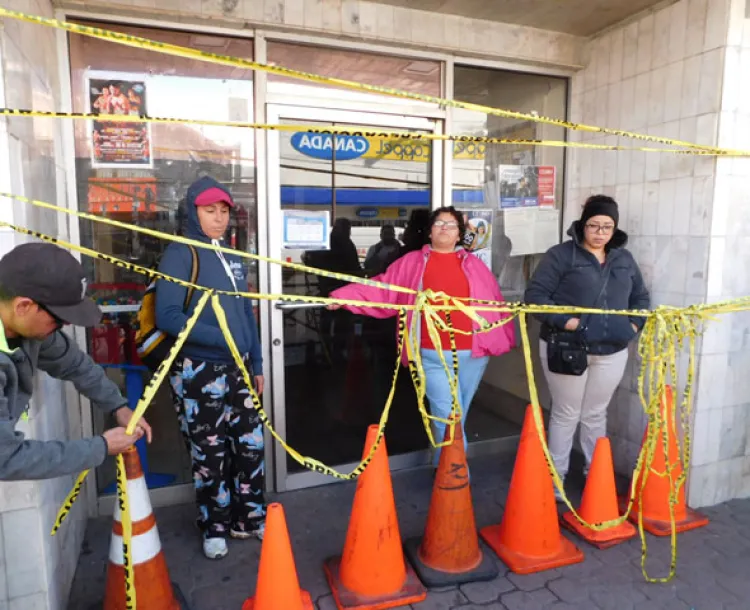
{"points": [[194, 270], [582, 325]]}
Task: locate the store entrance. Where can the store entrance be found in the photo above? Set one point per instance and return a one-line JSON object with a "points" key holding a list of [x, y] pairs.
{"points": [[338, 200]]}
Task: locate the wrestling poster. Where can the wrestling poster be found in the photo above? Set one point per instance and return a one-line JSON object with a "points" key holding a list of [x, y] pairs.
{"points": [[119, 144]]}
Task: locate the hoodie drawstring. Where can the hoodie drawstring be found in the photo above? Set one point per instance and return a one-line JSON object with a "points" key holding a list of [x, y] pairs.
{"points": [[225, 264]]}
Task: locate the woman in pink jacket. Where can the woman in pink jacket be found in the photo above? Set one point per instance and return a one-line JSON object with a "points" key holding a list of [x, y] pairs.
{"points": [[443, 266]]}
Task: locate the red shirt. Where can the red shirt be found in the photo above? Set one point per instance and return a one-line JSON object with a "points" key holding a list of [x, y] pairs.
{"points": [[444, 273]]}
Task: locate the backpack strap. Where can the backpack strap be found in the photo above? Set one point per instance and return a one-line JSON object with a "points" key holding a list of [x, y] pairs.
{"points": [[194, 271]]}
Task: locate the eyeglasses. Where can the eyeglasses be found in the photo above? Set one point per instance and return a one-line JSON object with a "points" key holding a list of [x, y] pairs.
{"points": [[606, 229], [447, 225], [58, 321]]}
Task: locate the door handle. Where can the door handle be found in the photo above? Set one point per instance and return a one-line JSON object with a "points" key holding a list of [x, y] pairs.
{"points": [[286, 305]]}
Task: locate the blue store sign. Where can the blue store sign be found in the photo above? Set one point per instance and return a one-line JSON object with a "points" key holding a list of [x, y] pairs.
{"points": [[367, 212], [320, 145]]}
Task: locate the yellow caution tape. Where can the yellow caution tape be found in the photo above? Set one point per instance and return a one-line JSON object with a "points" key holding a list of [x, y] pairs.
{"points": [[309, 462], [127, 533], [70, 499], [360, 131], [458, 302], [186, 52], [200, 244], [163, 370], [148, 393], [665, 330]]}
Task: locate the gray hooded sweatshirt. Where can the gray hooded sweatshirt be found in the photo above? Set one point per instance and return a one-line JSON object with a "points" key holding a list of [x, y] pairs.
{"points": [[60, 357]]}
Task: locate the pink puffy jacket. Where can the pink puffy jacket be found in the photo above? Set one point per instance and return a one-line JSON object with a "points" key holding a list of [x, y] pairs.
{"points": [[407, 271]]}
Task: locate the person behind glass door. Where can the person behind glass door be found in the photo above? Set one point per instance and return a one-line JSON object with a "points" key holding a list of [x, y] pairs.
{"points": [[383, 253], [416, 233], [214, 405], [573, 273], [442, 266], [341, 257]]}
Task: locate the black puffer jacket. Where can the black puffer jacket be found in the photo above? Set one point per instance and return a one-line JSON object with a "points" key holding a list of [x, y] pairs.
{"points": [[571, 275]]}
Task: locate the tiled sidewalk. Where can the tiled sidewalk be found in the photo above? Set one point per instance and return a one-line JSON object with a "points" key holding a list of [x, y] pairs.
{"points": [[713, 570]]}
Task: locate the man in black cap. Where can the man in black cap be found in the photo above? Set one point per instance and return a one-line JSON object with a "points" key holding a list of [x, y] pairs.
{"points": [[42, 288]]}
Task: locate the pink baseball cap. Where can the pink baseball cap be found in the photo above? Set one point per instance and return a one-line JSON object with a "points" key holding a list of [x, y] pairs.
{"points": [[214, 195]]}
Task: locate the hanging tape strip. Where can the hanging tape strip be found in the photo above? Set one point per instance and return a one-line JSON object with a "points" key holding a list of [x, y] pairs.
{"points": [[127, 533], [179, 51], [656, 361], [663, 324], [361, 131], [477, 304]]}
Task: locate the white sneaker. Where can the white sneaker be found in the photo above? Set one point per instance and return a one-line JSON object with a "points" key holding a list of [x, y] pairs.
{"points": [[215, 548]]}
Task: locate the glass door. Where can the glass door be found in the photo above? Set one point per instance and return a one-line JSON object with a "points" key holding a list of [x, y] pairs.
{"points": [[341, 202]]}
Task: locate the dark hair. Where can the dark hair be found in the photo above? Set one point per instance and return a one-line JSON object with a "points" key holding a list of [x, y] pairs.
{"points": [[6, 295], [453, 212], [415, 233]]}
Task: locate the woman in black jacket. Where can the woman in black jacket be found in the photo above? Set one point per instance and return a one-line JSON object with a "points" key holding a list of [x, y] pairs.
{"points": [[592, 270]]}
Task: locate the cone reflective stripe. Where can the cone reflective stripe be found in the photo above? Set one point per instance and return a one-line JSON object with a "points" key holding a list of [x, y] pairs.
{"points": [[278, 585], [599, 503], [372, 572], [656, 492], [153, 587], [449, 553], [528, 538]]}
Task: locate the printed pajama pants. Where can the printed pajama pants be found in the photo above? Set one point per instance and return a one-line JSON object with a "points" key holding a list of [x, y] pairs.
{"points": [[225, 439]]}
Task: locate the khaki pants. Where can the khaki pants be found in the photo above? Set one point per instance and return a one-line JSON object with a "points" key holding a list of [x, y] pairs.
{"points": [[581, 399]]}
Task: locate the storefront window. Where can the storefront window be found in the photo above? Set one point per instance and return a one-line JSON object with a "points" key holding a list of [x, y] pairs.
{"points": [[139, 173], [403, 73], [517, 191], [518, 188]]}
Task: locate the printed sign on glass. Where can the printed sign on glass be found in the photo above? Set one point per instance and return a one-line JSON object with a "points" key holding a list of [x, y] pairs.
{"points": [[322, 145], [385, 148], [303, 230], [523, 186], [114, 143], [478, 235], [112, 195]]}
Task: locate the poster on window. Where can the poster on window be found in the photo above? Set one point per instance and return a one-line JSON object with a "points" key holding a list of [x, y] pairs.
{"points": [[114, 143], [524, 186], [478, 236]]}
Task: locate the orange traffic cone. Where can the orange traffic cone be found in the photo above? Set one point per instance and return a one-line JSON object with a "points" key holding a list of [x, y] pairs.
{"points": [[153, 588], [449, 552], [599, 502], [278, 586], [528, 539], [656, 491], [372, 572]]}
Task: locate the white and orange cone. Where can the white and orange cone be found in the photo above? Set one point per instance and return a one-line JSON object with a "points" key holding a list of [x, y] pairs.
{"points": [[152, 585]]}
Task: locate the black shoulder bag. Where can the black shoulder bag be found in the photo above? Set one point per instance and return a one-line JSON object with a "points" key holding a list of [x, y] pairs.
{"points": [[567, 350]]}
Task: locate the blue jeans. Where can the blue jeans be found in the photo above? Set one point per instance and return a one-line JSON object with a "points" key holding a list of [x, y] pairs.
{"points": [[437, 388]]}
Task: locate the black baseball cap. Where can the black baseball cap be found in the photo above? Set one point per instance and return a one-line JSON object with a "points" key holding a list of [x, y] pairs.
{"points": [[53, 278]]}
